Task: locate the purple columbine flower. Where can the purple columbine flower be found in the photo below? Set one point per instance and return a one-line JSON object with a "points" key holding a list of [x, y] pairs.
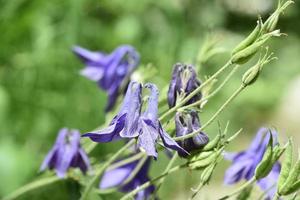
{"points": [[187, 123], [150, 128], [117, 177], [131, 123], [245, 162], [184, 81], [111, 71], [125, 123], [66, 153]]}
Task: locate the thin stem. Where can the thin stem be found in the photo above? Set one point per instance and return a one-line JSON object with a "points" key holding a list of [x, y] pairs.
{"points": [[196, 91], [126, 161], [197, 190], [136, 170], [231, 98], [241, 188], [276, 197], [175, 156], [96, 177], [32, 186], [149, 183], [213, 93]]}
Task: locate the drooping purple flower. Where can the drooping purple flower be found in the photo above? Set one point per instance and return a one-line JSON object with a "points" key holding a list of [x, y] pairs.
{"points": [[66, 153], [268, 184], [187, 123], [244, 163], [150, 128], [118, 177], [184, 81], [110, 71], [125, 123], [131, 123]]}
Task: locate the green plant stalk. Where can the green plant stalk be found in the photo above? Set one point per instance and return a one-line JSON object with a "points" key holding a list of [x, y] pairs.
{"points": [[197, 190], [32, 186], [126, 161], [241, 188], [148, 183], [175, 156], [227, 102], [136, 170], [195, 92], [99, 172], [213, 93], [276, 197]]}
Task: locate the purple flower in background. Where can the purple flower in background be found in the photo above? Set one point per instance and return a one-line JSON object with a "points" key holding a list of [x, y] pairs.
{"points": [[131, 123], [125, 123], [184, 81], [268, 184], [111, 71], [117, 177], [245, 162], [187, 123], [66, 153], [150, 128]]}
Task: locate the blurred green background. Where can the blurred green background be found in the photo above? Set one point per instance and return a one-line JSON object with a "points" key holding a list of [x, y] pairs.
{"points": [[42, 91]]}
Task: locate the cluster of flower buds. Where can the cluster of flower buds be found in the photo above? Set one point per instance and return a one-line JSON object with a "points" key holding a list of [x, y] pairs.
{"points": [[246, 49]]}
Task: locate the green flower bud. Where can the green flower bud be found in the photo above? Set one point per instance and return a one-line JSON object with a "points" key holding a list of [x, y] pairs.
{"points": [[265, 166], [251, 74], [245, 193], [292, 178], [286, 166], [246, 54], [207, 173], [250, 39], [212, 144]]}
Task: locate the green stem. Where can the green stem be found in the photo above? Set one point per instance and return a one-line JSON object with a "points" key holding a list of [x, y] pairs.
{"points": [[136, 170], [32, 186], [276, 197], [175, 156], [196, 191], [99, 172], [195, 92], [126, 161], [149, 183], [231, 98], [213, 93], [241, 188]]}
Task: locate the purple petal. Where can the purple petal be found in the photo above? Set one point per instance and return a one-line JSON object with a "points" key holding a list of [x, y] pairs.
{"points": [[151, 111], [147, 138], [117, 176], [172, 92], [133, 109], [110, 133], [88, 56], [93, 73], [169, 142]]}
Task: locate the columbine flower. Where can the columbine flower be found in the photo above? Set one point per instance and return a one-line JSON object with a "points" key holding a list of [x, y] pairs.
{"points": [[187, 123], [131, 123], [118, 176], [125, 123], [150, 128], [245, 162], [66, 153], [109, 70], [184, 81]]}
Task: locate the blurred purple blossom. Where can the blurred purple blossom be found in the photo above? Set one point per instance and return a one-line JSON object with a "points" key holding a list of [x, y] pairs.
{"points": [[244, 163], [110, 71], [66, 153], [116, 178]]}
